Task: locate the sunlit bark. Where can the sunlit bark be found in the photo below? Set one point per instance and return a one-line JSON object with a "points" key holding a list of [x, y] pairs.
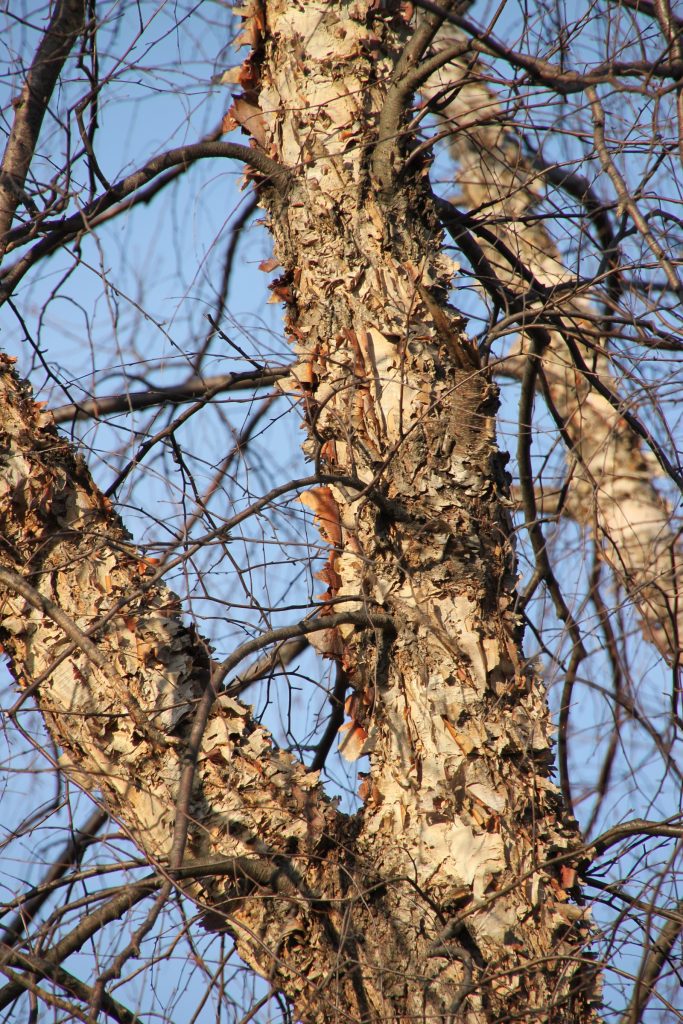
{"points": [[458, 801]]}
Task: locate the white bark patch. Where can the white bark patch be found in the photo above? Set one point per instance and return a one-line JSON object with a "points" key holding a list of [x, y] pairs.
{"points": [[453, 854], [487, 796], [463, 623], [70, 689], [382, 365]]}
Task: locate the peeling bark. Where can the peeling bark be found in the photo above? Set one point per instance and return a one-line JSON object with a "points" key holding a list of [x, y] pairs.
{"points": [[458, 801], [448, 897], [124, 716]]}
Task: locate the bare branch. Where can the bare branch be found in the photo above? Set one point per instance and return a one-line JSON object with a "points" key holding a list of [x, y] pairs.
{"points": [[410, 71], [543, 72], [59, 233], [659, 953], [31, 106], [44, 968], [69, 857], [196, 387]]}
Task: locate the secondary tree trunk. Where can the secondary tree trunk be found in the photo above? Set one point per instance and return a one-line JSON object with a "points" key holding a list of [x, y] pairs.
{"points": [[448, 896], [613, 492]]}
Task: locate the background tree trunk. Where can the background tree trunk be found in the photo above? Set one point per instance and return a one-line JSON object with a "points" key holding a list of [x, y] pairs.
{"points": [[611, 474]]}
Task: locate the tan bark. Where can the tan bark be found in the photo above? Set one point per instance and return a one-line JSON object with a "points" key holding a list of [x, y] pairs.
{"points": [[123, 704], [448, 896], [612, 492]]}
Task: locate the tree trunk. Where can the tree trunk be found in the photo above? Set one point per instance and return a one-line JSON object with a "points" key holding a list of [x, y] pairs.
{"points": [[448, 896]]}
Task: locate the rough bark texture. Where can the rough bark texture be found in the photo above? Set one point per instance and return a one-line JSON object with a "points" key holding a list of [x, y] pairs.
{"points": [[612, 491], [123, 714], [458, 802], [448, 896]]}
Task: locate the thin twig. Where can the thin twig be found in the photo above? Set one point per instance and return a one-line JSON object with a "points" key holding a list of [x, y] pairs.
{"points": [[176, 394], [55, 45], [63, 231]]}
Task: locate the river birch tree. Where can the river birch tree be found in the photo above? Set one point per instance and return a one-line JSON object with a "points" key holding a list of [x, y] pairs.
{"points": [[454, 891]]}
